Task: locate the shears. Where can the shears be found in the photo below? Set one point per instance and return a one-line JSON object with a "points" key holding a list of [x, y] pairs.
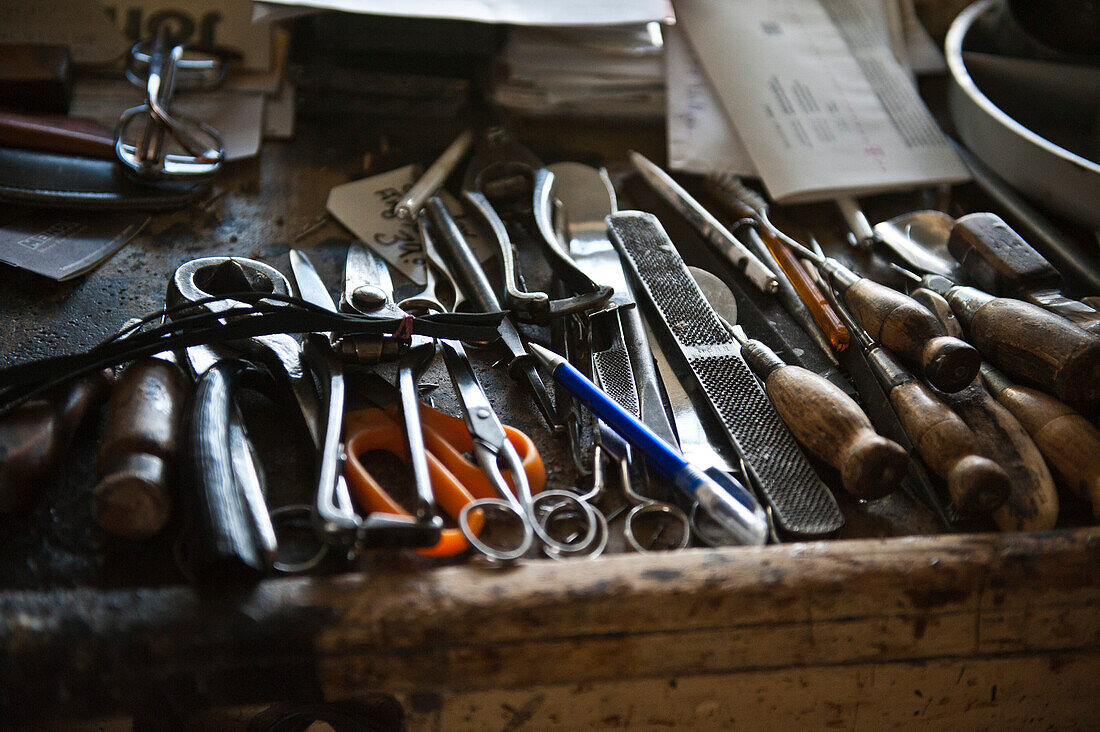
{"points": [[456, 482], [367, 285]]}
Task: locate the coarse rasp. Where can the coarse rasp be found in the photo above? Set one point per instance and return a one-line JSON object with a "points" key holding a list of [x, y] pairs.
{"points": [[801, 503]]}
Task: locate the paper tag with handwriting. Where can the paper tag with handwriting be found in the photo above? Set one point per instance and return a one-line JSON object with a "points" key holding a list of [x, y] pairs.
{"points": [[366, 208]]}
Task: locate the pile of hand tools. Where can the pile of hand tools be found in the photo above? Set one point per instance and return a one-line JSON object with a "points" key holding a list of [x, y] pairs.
{"points": [[684, 425]]}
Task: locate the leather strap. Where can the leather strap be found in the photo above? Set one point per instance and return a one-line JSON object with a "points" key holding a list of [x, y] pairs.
{"points": [[33, 178]]}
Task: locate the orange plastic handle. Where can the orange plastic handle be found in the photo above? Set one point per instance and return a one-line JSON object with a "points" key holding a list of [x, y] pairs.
{"points": [[448, 439], [372, 429], [455, 480]]}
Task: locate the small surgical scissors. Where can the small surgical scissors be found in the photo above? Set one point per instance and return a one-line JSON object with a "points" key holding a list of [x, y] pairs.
{"points": [[159, 69], [492, 449]]}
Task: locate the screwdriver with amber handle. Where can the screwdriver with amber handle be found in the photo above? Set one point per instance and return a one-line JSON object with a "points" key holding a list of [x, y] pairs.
{"points": [[1030, 344], [1068, 442], [976, 484], [827, 422], [892, 318], [748, 203]]}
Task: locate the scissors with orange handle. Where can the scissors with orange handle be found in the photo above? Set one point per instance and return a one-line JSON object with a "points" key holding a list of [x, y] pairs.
{"points": [[455, 481]]}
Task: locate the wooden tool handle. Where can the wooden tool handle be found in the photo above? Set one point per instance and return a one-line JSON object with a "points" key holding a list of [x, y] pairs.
{"points": [[57, 133], [938, 306], [1032, 503], [1032, 345], [830, 424], [998, 257], [949, 448], [137, 452], [833, 427], [35, 436], [1000, 261], [1069, 442], [908, 329]]}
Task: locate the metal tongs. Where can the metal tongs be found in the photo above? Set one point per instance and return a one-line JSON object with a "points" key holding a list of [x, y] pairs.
{"points": [[512, 191], [160, 68]]}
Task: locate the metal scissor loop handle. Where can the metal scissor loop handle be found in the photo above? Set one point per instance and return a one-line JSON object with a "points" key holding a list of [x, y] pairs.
{"points": [[199, 71], [483, 506], [669, 516], [565, 504], [143, 151]]}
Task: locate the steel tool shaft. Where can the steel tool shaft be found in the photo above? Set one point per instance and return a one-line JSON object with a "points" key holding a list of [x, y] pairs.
{"points": [[901, 324], [728, 244], [476, 287], [747, 203]]}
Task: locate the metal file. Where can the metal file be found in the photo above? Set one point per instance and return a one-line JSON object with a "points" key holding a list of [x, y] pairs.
{"points": [[801, 504]]}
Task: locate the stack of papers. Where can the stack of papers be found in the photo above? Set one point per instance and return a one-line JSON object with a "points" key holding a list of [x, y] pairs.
{"points": [[583, 72], [515, 12], [806, 94]]}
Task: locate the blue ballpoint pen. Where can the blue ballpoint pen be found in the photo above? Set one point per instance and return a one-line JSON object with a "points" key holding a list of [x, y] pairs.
{"points": [[724, 499]]}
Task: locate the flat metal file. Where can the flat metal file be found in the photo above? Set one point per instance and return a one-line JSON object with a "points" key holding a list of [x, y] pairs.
{"points": [[801, 503]]}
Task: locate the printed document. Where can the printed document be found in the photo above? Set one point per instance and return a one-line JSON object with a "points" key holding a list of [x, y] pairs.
{"points": [[816, 96]]}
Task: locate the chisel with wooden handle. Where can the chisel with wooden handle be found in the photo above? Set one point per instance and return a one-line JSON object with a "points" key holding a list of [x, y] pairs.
{"points": [[1032, 503], [1068, 441], [976, 484], [1029, 343], [892, 318], [1001, 262]]}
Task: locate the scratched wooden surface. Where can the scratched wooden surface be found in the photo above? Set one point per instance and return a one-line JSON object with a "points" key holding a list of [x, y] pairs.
{"points": [[974, 631]]}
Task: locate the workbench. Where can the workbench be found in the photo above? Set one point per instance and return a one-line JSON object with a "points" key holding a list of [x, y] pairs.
{"points": [[967, 630]]}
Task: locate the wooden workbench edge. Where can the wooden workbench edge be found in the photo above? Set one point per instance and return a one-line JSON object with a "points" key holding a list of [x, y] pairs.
{"points": [[464, 627]]}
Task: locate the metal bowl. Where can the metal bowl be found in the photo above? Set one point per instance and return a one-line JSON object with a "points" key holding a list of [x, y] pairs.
{"points": [[1055, 177]]}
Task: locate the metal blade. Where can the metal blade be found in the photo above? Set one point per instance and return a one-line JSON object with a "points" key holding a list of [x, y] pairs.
{"points": [[311, 287], [368, 287]]}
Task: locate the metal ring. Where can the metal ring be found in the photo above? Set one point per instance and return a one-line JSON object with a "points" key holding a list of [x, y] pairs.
{"points": [[284, 513], [668, 509], [565, 499], [208, 72], [169, 164], [549, 543], [492, 552], [596, 518]]}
